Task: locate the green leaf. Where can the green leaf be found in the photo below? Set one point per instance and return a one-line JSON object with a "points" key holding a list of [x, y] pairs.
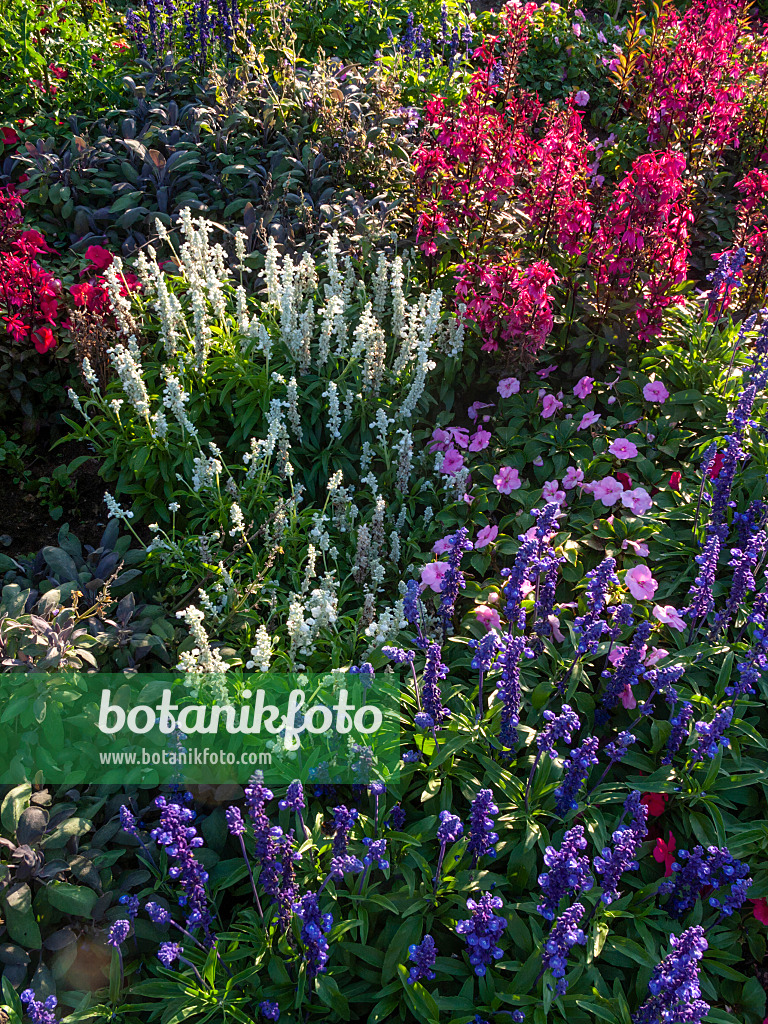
{"points": [[20, 919], [77, 900], [13, 806]]}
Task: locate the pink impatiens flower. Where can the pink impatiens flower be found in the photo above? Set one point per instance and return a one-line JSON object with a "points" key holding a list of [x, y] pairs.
{"points": [[637, 500], [480, 440], [623, 448], [475, 408], [486, 536], [584, 387], [549, 406], [655, 392], [640, 549], [670, 616], [588, 420], [452, 462], [642, 586], [508, 386], [432, 576], [573, 477], [655, 655], [551, 492], [507, 480], [581, 99], [760, 910], [489, 617], [442, 545], [628, 699], [608, 490]]}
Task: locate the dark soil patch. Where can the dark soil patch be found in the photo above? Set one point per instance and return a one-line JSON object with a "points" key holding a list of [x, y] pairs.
{"points": [[28, 522]]}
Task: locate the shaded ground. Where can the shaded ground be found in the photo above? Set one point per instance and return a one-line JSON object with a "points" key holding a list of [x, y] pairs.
{"points": [[28, 522]]}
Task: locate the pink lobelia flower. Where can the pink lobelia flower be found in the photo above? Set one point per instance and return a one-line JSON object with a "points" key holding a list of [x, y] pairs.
{"points": [[608, 490], [588, 420], [637, 500], [584, 387], [488, 616], [432, 576], [507, 480], [486, 536], [549, 406], [480, 440], [508, 386], [453, 461], [551, 492], [623, 448], [642, 586], [670, 616], [665, 853], [573, 477], [655, 392]]}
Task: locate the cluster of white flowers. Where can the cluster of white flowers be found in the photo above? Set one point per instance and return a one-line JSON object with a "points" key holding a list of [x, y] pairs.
{"points": [[175, 398], [207, 472], [126, 359], [261, 652], [114, 509], [202, 658]]}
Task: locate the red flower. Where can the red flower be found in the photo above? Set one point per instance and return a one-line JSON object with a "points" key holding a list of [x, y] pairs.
{"points": [[760, 910], [99, 257], [625, 480], [717, 465], [664, 853], [10, 138], [57, 72], [44, 339], [655, 802], [674, 481], [32, 241]]}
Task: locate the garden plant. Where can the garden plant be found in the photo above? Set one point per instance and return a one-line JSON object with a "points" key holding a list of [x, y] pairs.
{"points": [[385, 347]]}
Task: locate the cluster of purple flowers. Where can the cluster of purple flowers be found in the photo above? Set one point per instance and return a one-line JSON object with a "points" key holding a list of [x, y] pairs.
{"points": [[179, 837], [423, 957], [700, 868], [342, 861], [627, 840], [564, 935], [432, 714], [558, 727], [482, 838], [711, 735], [508, 689], [577, 768], [482, 930], [452, 43], [191, 28], [39, 1011], [568, 872], [315, 926], [674, 987]]}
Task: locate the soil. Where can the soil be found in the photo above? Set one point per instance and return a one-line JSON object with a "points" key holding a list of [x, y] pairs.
{"points": [[27, 521]]}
